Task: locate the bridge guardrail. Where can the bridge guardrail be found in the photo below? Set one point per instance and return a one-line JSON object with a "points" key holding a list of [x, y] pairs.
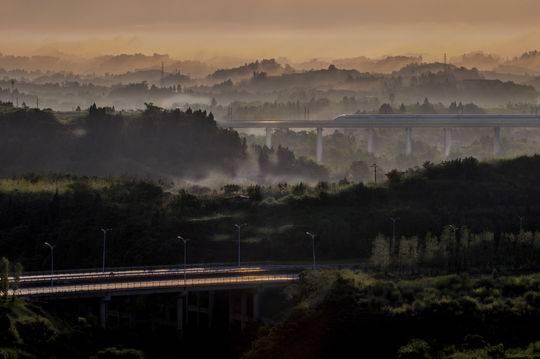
{"points": [[36, 277], [191, 265], [108, 288]]}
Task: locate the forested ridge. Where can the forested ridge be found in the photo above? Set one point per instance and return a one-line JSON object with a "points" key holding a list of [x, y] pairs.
{"points": [[154, 143], [492, 209]]}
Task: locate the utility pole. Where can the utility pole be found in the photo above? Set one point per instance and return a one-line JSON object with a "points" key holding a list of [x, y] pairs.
{"points": [[51, 247], [104, 230], [12, 91], [312, 236], [239, 228], [162, 73], [374, 172]]}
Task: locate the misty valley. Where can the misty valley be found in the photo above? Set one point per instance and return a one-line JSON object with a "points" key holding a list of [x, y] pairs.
{"points": [[273, 180]]}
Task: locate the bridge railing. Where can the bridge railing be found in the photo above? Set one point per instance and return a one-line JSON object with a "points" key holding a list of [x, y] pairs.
{"points": [[180, 284], [162, 269]]}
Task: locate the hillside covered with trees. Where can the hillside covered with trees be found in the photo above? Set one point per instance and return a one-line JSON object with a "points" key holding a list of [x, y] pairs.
{"points": [[344, 314], [458, 215]]}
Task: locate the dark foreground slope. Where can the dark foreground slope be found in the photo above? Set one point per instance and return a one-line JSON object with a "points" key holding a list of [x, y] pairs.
{"points": [[28, 332], [345, 314]]}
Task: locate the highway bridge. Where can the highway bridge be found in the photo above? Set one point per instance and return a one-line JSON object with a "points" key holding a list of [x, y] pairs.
{"points": [[408, 122], [194, 281]]}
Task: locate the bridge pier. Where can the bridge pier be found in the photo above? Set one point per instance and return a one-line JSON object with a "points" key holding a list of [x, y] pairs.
{"points": [[370, 140], [104, 311], [180, 312], [239, 308], [268, 137], [319, 145], [256, 312], [497, 141], [243, 311], [447, 142], [199, 309], [408, 141]]}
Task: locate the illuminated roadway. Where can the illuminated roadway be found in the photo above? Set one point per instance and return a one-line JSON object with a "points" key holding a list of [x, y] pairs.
{"points": [[159, 280]]}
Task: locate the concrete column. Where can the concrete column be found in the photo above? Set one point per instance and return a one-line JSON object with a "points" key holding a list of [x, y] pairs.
{"points": [[243, 311], [497, 141], [319, 145], [256, 305], [268, 137], [370, 138], [231, 309], [408, 141], [186, 296], [198, 310], [180, 312], [104, 311], [447, 142], [210, 308]]}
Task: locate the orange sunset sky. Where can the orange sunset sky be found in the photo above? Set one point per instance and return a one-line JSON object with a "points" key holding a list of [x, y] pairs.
{"points": [[298, 29]]}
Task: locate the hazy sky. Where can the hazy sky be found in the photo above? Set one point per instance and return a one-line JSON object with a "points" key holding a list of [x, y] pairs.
{"points": [[293, 28]]}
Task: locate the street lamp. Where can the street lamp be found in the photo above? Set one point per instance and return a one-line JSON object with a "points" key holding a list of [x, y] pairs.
{"points": [[312, 236], [184, 240], [52, 260], [239, 228], [104, 230]]}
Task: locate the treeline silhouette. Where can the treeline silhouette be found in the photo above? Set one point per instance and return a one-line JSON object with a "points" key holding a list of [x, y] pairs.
{"points": [[485, 202], [154, 143]]}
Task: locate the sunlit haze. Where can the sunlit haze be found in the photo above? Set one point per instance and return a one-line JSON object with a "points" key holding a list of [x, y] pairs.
{"points": [[296, 29]]}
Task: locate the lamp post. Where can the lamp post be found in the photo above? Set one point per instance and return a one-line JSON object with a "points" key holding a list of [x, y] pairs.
{"points": [[184, 240], [239, 228], [312, 236], [104, 230], [51, 247]]}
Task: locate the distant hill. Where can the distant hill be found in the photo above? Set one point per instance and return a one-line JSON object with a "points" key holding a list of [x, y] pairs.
{"points": [[527, 63], [385, 65], [477, 59], [268, 66]]}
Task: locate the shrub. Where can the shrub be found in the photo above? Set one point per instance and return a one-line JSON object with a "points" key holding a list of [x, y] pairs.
{"points": [[116, 353], [415, 349]]}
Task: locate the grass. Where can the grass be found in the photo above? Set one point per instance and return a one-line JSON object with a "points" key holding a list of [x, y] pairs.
{"points": [[38, 184]]}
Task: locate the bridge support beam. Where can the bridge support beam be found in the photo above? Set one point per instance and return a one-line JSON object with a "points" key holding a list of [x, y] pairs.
{"points": [[408, 141], [104, 311], [180, 312], [370, 141], [497, 141], [319, 145], [243, 311], [210, 308], [447, 142], [256, 312], [243, 307], [268, 137], [231, 309]]}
